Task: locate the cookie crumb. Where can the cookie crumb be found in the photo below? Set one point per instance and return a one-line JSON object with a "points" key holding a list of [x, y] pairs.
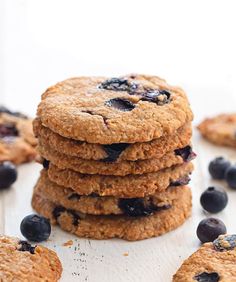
{"points": [[68, 243], [126, 254]]}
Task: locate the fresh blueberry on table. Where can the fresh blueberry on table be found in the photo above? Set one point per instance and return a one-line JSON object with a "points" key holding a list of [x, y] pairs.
{"points": [[35, 228], [230, 176], [8, 174], [214, 199], [209, 229], [218, 167]]}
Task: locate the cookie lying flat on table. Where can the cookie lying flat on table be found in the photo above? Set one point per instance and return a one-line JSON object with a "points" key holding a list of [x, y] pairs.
{"points": [[20, 261], [116, 226], [134, 108], [17, 142], [128, 186], [213, 262], [177, 157], [220, 130], [93, 204], [117, 152]]}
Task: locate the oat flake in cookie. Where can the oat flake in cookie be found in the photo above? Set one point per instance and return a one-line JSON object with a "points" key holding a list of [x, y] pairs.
{"points": [[20, 261], [129, 109], [213, 262]]}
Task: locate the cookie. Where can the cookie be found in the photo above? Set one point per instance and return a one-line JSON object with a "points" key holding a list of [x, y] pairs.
{"points": [[156, 148], [17, 142], [220, 130], [93, 204], [111, 226], [62, 161], [20, 261], [212, 262], [129, 186], [135, 108]]}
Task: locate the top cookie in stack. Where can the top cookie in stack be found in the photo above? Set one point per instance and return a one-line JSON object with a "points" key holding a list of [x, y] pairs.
{"points": [[114, 147]]}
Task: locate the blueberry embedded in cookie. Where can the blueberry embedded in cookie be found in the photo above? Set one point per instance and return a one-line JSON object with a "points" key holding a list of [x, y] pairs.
{"points": [[117, 226], [124, 110], [213, 262], [18, 256], [17, 142]]}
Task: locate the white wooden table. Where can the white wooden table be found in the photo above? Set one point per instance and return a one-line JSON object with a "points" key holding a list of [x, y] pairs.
{"points": [[150, 260]]}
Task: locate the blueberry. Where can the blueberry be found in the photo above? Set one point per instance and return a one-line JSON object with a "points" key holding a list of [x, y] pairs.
{"points": [[118, 84], [35, 228], [26, 247], [7, 130], [113, 151], [207, 277], [218, 167], [120, 104], [230, 176], [160, 97], [135, 207], [186, 153], [8, 174], [214, 199], [209, 229], [225, 243]]}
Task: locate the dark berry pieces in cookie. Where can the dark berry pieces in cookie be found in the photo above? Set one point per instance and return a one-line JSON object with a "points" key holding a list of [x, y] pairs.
{"points": [[230, 176], [74, 196], [135, 207], [214, 199], [207, 277], [7, 130], [35, 228], [120, 104], [26, 247], [186, 153], [218, 167], [118, 84], [45, 163], [160, 97], [225, 243], [16, 114], [181, 182], [59, 210], [114, 150], [209, 229], [8, 174]]}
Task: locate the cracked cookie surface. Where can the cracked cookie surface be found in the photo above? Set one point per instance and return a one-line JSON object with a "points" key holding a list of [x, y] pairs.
{"points": [[220, 130], [138, 151], [135, 108], [115, 226], [20, 261], [17, 142], [212, 262], [119, 186]]}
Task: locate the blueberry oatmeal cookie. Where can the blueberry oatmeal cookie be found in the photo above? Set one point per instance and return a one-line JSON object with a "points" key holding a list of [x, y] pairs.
{"points": [[133, 108], [130, 228], [17, 142], [176, 157], [94, 204], [20, 261], [129, 186], [213, 262], [117, 152], [220, 130]]}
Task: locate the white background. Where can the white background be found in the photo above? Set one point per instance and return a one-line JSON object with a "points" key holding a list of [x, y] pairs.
{"points": [[43, 41], [190, 43]]}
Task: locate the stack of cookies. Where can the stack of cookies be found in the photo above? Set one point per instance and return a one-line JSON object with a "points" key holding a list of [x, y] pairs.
{"points": [[116, 155]]}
